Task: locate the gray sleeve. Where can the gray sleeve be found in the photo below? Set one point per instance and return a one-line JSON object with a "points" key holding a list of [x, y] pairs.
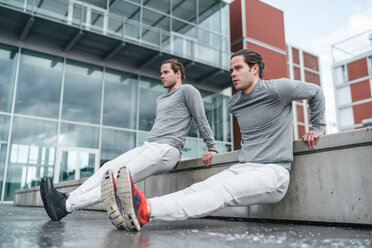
{"points": [[292, 90], [195, 105]]}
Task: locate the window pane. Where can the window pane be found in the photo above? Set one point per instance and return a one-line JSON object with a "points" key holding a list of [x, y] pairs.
{"points": [[78, 136], [142, 137], [184, 28], [225, 25], [209, 15], [128, 10], [346, 117], [8, 61], [226, 120], [185, 10], [120, 102], [214, 112], [161, 5], [4, 130], [115, 143], [208, 38], [150, 89], [82, 93], [190, 150], [32, 154], [155, 19], [39, 85], [344, 95]]}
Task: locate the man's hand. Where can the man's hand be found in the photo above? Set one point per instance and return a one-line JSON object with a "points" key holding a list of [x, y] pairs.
{"points": [[175, 167], [311, 138], [207, 157]]}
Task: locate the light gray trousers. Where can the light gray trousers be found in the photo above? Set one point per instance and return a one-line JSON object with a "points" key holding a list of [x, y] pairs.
{"points": [[142, 162], [240, 185]]}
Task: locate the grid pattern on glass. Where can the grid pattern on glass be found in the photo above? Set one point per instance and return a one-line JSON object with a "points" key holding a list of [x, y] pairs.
{"points": [[185, 10], [73, 135], [128, 10], [214, 111], [210, 15], [190, 150], [82, 92], [32, 154], [39, 85], [161, 5], [116, 142], [150, 89], [120, 100], [8, 61], [86, 164], [4, 130], [68, 165]]}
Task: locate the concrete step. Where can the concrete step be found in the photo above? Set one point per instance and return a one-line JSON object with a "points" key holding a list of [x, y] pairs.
{"points": [[332, 183]]}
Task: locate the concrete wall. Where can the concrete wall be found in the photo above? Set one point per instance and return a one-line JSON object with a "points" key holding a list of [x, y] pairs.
{"points": [[332, 183]]}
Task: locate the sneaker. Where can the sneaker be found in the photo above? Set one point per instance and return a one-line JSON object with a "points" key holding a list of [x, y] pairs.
{"points": [[111, 199], [53, 200], [135, 211]]}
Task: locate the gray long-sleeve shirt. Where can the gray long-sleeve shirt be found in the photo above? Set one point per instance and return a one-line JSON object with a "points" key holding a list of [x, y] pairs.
{"points": [[174, 113], [265, 119]]}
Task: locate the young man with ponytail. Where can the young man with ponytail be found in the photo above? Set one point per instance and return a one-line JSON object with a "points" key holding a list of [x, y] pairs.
{"points": [[175, 110], [263, 109]]}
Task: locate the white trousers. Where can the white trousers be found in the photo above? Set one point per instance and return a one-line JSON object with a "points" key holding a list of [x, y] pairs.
{"points": [[240, 185], [142, 162]]}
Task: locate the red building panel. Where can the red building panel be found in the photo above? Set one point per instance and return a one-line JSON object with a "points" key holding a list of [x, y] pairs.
{"points": [[297, 73], [237, 47], [311, 61], [362, 111], [360, 91], [265, 23], [275, 63], [301, 131], [311, 77], [357, 69], [237, 134], [235, 21], [300, 113], [295, 55]]}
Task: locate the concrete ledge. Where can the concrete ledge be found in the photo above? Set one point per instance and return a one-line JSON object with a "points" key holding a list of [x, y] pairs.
{"points": [[329, 184]]}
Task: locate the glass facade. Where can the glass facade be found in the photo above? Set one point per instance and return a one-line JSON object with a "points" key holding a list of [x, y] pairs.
{"points": [[69, 117]]}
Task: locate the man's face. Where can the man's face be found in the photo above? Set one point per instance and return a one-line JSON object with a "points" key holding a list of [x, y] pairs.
{"points": [[168, 76], [241, 74]]}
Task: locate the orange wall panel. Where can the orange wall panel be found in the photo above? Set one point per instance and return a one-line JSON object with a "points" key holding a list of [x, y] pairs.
{"points": [[301, 131], [311, 77], [357, 69], [296, 73], [360, 91], [265, 23], [235, 21], [295, 55], [300, 113], [311, 61], [362, 111], [237, 47], [275, 63]]}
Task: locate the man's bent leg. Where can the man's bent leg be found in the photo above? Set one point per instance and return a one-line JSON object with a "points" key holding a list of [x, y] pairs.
{"points": [[252, 184]]}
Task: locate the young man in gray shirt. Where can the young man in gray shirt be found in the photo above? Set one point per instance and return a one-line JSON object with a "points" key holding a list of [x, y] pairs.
{"points": [[263, 109], [175, 110]]}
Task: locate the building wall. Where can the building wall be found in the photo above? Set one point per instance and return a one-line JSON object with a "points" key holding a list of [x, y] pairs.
{"points": [[353, 90], [302, 66], [260, 27]]}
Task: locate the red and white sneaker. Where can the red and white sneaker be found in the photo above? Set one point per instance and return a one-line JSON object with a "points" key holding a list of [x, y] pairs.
{"points": [[111, 199], [134, 203]]}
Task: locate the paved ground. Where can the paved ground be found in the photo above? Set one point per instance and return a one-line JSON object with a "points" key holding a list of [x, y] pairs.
{"points": [[30, 227]]}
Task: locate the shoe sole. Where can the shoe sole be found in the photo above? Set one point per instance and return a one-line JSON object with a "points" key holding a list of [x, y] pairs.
{"points": [[47, 199], [125, 191], [109, 200]]}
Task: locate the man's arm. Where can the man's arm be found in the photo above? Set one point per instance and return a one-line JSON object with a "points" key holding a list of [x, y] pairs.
{"points": [[292, 90], [196, 108]]}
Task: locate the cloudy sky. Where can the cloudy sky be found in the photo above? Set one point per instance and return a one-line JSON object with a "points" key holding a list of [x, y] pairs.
{"points": [[316, 25]]}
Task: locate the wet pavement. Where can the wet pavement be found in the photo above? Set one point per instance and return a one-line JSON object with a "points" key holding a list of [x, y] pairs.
{"points": [[30, 227]]}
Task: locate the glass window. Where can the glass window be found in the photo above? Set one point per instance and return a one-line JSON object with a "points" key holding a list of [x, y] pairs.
{"points": [[193, 132], [32, 154], [128, 10], [184, 28], [342, 74], [208, 54], [161, 5], [142, 137], [155, 19], [115, 143], [8, 61], [120, 102], [214, 112], [208, 38], [185, 10], [225, 25], [370, 65], [4, 130], [39, 85], [344, 95], [210, 15], [82, 93], [226, 120], [346, 117], [78, 136], [190, 150], [150, 89]]}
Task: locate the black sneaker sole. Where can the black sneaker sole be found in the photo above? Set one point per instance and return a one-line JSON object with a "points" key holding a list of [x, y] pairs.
{"points": [[44, 198], [124, 188], [46, 192], [109, 200]]}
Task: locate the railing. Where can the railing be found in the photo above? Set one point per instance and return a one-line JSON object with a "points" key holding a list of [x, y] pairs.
{"points": [[99, 20]]}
